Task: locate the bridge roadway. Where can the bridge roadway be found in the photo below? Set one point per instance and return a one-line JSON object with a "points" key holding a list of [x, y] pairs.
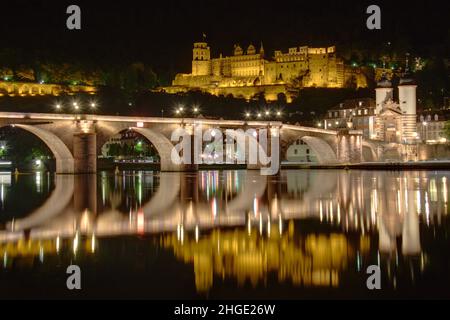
{"points": [[76, 139]]}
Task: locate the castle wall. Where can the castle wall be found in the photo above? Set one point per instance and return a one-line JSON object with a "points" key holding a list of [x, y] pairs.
{"points": [[14, 88], [299, 67]]}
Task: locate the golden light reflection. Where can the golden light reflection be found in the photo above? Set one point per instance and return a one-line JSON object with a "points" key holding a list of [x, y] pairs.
{"points": [[255, 237], [317, 260]]}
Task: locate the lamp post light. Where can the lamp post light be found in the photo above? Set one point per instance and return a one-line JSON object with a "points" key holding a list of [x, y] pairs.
{"points": [[75, 105]]}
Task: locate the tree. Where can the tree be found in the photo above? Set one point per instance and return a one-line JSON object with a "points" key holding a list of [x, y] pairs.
{"points": [[447, 129], [23, 147]]}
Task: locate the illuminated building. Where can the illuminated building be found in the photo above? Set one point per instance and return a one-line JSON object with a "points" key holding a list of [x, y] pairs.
{"points": [[22, 89], [430, 127], [248, 73], [359, 112]]}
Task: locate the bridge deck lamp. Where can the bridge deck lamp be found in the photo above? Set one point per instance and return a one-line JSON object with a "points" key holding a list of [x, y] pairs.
{"points": [[267, 112], [278, 113], [259, 115], [93, 105]]}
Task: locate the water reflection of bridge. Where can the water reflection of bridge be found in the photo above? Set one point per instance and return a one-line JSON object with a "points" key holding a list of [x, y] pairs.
{"points": [[189, 208], [389, 202]]}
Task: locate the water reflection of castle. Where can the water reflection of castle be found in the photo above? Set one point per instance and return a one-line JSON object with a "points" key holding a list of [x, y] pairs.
{"points": [[190, 210]]}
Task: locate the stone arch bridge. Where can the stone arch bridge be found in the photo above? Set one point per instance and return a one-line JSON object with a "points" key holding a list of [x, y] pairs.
{"points": [[76, 140]]}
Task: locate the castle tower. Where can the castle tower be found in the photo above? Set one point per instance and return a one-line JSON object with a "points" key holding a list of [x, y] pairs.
{"points": [[383, 93], [407, 101], [201, 59]]}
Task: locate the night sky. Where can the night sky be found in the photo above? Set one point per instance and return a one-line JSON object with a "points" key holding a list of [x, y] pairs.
{"points": [[161, 34]]}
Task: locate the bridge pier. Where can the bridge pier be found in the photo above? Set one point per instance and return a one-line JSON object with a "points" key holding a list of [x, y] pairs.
{"points": [[85, 152], [349, 146]]}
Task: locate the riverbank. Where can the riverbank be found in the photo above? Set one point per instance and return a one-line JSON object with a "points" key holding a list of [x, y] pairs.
{"points": [[419, 165]]}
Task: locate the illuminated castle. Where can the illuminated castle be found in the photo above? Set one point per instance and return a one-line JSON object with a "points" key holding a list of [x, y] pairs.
{"points": [[248, 73]]}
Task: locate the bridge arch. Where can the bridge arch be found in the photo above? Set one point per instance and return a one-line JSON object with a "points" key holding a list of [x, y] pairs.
{"points": [[369, 151], [63, 156], [323, 151], [161, 143]]}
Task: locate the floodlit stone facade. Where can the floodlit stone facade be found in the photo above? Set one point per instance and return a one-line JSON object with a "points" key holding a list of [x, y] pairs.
{"points": [[396, 121], [248, 73], [22, 89]]}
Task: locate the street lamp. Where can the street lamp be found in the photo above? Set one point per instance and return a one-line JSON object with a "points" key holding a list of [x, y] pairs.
{"points": [[195, 109]]}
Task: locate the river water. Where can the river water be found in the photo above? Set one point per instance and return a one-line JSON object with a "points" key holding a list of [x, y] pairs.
{"points": [[225, 234]]}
